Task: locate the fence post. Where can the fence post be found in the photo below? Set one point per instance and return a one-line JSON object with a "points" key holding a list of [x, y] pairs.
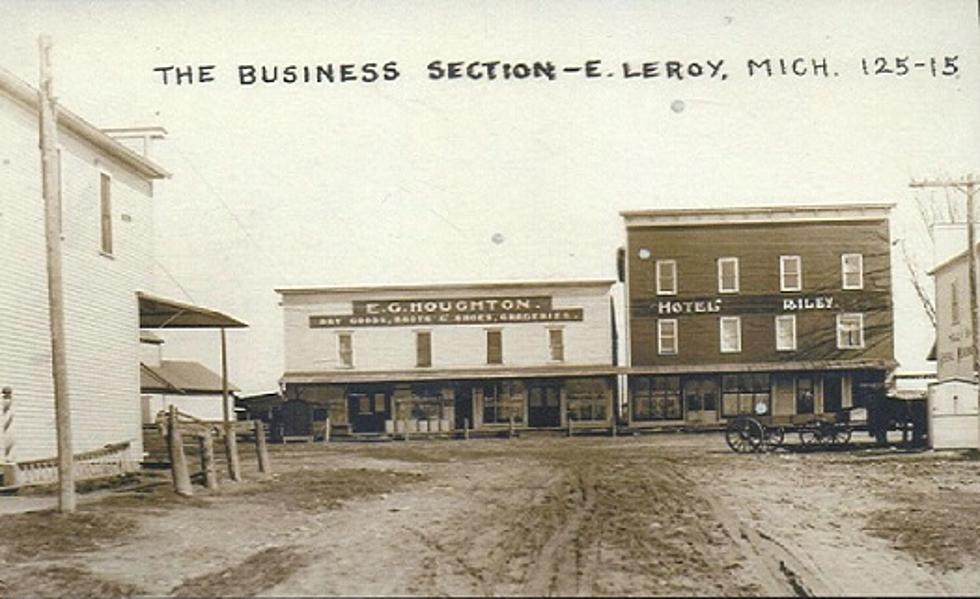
{"points": [[231, 450], [405, 427], [8, 458], [178, 463], [206, 444], [510, 428], [570, 424], [260, 448], [326, 431], [466, 428]]}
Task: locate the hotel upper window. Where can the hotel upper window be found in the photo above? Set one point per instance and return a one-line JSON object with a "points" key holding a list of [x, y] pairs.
{"points": [[954, 302], [666, 277], [423, 348], [727, 275], [495, 348], [667, 337], [790, 273], [345, 349], [786, 332], [105, 210], [850, 331], [556, 344], [730, 331], [852, 271]]}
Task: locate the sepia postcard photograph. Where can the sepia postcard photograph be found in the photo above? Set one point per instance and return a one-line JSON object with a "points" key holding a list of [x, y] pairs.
{"points": [[319, 298]]}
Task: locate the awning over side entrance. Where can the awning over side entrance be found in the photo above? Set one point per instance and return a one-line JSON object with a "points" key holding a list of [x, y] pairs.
{"points": [[162, 313]]}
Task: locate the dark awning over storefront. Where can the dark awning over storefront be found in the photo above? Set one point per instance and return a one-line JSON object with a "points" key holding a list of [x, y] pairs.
{"points": [[161, 313]]}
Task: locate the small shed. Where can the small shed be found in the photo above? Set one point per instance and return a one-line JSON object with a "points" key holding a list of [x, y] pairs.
{"points": [[953, 414]]}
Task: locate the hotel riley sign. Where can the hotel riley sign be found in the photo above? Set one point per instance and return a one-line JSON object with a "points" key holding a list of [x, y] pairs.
{"points": [[449, 311], [759, 304]]}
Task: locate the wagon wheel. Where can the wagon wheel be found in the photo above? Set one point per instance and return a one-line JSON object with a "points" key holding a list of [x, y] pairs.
{"points": [[810, 436], [744, 435], [774, 437], [841, 435]]}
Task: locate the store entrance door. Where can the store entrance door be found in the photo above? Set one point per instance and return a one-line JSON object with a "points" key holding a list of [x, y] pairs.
{"points": [[701, 398], [368, 411], [544, 405]]}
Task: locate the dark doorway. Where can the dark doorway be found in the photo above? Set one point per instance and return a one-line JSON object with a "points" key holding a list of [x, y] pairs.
{"points": [[832, 394], [368, 410], [544, 404], [463, 405], [295, 419], [804, 395]]}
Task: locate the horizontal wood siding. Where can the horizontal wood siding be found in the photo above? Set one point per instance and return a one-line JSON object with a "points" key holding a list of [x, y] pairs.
{"points": [[586, 343], [100, 304], [758, 248]]}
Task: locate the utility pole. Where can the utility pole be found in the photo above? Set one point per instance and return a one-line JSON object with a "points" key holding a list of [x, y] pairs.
{"points": [[51, 175], [968, 186]]}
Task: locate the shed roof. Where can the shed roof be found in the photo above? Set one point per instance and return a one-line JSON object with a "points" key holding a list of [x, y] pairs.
{"points": [[179, 376]]}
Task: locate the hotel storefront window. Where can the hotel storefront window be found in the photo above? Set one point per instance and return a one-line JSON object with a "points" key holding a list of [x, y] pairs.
{"points": [[741, 392], [656, 398]]}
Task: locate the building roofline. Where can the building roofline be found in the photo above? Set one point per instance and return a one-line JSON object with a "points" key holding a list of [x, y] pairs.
{"points": [[951, 260], [28, 95], [605, 283], [756, 214]]}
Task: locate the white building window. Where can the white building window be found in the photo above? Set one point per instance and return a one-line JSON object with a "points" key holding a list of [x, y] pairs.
{"points": [[786, 332], [954, 302], [730, 331], [495, 346], [727, 275], [852, 271], [105, 210], [556, 344], [850, 331], [666, 277], [667, 337], [345, 349], [423, 349], [790, 273]]}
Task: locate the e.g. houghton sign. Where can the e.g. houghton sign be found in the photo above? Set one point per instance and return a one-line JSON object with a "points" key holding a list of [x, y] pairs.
{"points": [[446, 311]]}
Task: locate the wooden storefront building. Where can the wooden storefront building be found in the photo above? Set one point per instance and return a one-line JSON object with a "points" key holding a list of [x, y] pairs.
{"points": [[438, 358], [788, 307]]}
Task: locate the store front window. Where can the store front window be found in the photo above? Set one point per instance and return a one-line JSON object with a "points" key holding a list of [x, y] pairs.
{"points": [[502, 401], [656, 398], [586, 399], [741, 392]]}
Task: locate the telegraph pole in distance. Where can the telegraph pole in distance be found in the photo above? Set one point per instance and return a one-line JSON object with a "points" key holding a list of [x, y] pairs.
{"points": [[968, 186], [50, 173]]}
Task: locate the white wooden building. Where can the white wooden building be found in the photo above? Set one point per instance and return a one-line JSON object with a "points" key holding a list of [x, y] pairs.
{"points": [[107, 206], [187, 385], [953, 406], [107, 213], [444, 357]]}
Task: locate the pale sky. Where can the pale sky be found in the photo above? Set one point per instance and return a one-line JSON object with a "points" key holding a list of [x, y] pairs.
{"points": [[408, 181]]}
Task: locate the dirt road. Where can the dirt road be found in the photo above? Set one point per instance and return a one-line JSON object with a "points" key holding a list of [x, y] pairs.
{"points": [[658, 515]]}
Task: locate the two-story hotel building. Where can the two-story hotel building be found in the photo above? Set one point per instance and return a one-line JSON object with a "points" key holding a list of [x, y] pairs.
{"points": [[443, 357], [727, 308]]}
